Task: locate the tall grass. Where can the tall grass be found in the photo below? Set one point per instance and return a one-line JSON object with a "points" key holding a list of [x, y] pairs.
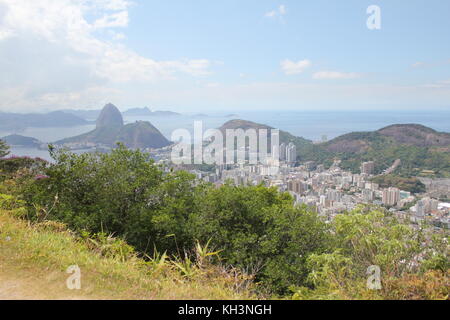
{"points": [[110, 269]]}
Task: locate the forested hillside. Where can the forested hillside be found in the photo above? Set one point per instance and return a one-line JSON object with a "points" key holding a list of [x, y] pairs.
{"points": [[419, 148]]}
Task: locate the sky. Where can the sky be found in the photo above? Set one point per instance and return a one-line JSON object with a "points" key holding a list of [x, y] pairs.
{"points": [[204, 55]]}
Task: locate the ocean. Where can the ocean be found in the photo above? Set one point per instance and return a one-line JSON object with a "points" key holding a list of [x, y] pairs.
{"points": [[313, 125]]}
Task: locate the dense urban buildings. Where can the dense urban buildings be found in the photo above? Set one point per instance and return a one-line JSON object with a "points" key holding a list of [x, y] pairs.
{"points": [[331, 191]]}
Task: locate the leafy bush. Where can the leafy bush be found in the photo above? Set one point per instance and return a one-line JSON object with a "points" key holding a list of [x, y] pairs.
{"points": [[126, 194], [122, 193], [10, 202], [363, 239], [12, 166], [261, 231]]}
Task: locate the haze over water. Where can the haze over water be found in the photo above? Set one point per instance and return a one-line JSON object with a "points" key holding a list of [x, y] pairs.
{"points": [[312, 125]]}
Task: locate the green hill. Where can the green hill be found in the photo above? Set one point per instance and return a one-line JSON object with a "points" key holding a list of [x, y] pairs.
{"points": [[110, 129], [22, 141], [142, 134], [418, 147], [285, 137]]}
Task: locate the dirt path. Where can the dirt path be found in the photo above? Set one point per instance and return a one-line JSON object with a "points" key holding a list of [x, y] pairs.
{"points": [[25, 285]]}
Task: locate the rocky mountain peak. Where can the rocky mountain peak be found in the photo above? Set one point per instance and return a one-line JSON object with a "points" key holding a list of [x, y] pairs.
{"points": [[110, 117]]}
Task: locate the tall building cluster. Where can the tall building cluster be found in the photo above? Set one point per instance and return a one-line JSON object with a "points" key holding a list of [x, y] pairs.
{"points": [[298, 186], [391, 196], [288, 153]]}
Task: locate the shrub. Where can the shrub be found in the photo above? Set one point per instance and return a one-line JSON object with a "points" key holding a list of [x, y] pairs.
{"points": [[261, 232]]}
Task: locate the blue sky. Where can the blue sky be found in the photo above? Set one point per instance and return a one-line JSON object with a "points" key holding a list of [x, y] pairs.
{"points": [[331, 33], [227, 55]]}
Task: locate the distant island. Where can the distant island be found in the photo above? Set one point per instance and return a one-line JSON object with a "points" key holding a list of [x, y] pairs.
{"points": [[19, 121], [146, 112], [111, 129], [199, 115], [16, 140]]}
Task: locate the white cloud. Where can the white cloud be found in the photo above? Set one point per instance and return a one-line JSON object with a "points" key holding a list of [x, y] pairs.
{"points": [[334, 75], [438, 84], [279, 12], [290, 67], [110, 4], [119, 19], [118, 35], [51, 48], [193, 67], [5, 34], [213, 85], [418, 64]]}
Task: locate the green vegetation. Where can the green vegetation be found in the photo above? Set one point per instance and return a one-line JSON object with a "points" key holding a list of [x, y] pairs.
{"points": [[408, 184], [256, 227], [3, 149], [256, 231], [366, 238], [34, 259], [384, 152], [13, 166], [383, 148]]}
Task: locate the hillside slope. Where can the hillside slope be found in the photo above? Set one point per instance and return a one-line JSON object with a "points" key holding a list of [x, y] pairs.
{"points": [[419, 148], [416, 135], [34, 260], [413, 135]]}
